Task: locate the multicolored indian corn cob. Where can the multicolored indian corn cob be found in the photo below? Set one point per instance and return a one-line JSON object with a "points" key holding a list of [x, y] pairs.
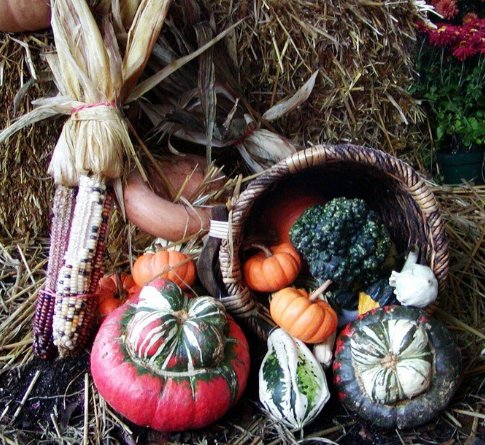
{"points": [[75, 304], [63, 210]]}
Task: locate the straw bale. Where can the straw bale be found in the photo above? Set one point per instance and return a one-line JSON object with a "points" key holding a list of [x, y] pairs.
{"points": [[363, 50], [26, 192], [463, 304], [25, 188]]}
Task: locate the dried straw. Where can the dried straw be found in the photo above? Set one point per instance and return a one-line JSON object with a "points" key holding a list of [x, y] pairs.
{"points": [[463, 210], [25, 190], [362, 49], [23, 260], [202, 103]]}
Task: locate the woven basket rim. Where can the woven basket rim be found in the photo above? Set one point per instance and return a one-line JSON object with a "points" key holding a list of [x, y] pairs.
{"points": [[242, 301]]}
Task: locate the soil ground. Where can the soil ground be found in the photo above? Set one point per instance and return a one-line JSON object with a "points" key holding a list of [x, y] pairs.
{"points": [[55, 405]]}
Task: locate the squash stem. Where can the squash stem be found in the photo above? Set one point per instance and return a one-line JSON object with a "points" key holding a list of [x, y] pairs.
{"points": [[321, 290], [266, 251], [120, 292]]}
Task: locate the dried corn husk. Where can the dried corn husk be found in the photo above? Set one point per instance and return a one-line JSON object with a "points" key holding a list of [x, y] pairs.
{"points": [[202, 103], [94, 79]]}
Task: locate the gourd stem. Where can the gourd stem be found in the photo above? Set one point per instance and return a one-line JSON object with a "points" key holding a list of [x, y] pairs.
{"points": [[262, 247], [119, 286], [321, 290]]}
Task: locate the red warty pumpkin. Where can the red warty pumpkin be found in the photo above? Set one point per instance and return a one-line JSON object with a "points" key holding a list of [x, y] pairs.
{"points": [[170, 362]]}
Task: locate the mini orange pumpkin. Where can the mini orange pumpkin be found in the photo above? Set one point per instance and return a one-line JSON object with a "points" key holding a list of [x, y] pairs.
{"points": [[113, 290], [304, 317], [168, 264], [272, 269], [118, 285], [108, 305]]}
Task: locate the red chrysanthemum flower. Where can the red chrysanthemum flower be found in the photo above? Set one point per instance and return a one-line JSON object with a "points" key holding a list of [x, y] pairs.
{"points": [[469, 17], [472, 39], [464, 50], [444, 35], [447, 8]]}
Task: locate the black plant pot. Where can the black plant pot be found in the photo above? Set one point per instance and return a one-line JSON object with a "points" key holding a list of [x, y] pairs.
{"points": [[456, 167]]}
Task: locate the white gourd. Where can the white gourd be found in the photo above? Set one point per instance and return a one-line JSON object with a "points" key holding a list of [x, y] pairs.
{"points": [[292, 384], [393, 360], [416, 285], [323, 352]]}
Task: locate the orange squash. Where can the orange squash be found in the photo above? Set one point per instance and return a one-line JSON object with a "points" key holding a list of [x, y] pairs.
{"points": [[168, 264], [149, 207], [281, 208], [24, 15], [272, 269], [309, 321]]}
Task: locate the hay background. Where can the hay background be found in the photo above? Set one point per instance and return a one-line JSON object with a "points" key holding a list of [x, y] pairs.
{"points": [[25, 187], [363, 50], [26, 192]]}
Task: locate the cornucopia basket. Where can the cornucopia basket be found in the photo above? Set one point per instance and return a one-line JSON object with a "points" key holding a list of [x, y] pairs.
{"points": [[388, 185]]}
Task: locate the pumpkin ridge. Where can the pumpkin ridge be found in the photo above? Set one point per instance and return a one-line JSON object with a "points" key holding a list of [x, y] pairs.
{"points": [[256, 278], [302, 327], [296, 308], [270, 269], [389, 363], [416, 370]]}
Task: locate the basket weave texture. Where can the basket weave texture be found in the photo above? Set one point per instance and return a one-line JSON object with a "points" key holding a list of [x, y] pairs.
{"points": [[388, 185]]}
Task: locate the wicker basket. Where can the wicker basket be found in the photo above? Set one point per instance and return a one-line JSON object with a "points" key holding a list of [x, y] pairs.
{"points": [[387, 184]]}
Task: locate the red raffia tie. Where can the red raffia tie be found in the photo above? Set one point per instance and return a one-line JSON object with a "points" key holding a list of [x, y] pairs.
{"points": [[249, 132], [111, 104], [47, 293]]}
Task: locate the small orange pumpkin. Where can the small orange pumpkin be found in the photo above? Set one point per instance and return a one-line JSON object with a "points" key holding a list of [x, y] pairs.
{"points": [[168, 264], [309, 321], [118, 285], [113, 290], [108, 305], [272, 269]]}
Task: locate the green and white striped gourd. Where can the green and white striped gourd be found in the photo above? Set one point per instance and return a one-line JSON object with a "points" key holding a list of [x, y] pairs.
{"points": [[292, 384], [173, 332], [393, 359], [396, 366]]}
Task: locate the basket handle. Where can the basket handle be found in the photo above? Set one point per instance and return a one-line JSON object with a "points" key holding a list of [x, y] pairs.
{"points": [[208, 262]]}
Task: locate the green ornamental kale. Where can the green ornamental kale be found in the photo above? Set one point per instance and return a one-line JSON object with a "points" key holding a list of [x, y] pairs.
{"points": [[343, 241]]}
